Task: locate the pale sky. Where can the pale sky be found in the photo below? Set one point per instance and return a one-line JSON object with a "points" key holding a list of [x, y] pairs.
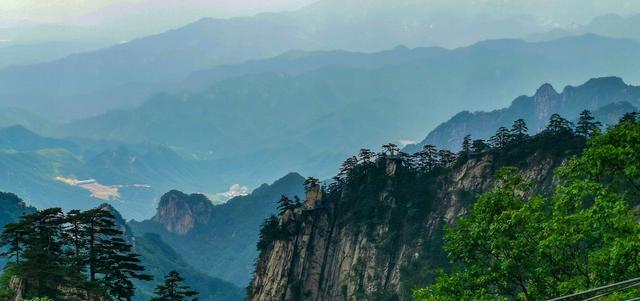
{"points": [[59, 10]]}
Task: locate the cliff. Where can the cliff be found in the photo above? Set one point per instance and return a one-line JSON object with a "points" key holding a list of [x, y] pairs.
{"points": [[18, 286], [218, 239], [380, 234]]}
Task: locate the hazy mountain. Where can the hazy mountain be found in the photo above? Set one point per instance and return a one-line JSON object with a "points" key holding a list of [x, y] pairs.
{"points": [[608, 98], [298, 62], [611, 25], [11, 209], [228, 232], [125, 74], [159, 259], [82, 173], [312, 120]]}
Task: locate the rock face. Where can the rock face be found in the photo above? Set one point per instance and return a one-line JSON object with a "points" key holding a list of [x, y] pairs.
{"points": [[179, 212], [329, 256], [19, 286]]}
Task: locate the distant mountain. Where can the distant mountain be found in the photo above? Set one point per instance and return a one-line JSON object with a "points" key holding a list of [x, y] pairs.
{"points": [[125, 74], [159, 259], [218, 239], [80, 173], [19, 138], [608, 98], [299, 62], [12, 208], [611, 25], [312, 120]]}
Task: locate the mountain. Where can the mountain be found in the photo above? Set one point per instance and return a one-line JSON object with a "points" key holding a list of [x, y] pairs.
{"points": [[19, 138], [293, 118], [299, 62], [610, 25], [380, 234], [81, 173], [608, 98], [218, 239], [12, 208], [125, 74], [159, 259]]}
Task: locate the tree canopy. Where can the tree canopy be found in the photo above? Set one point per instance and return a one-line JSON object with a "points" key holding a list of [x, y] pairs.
{"points": [[516, 245]]}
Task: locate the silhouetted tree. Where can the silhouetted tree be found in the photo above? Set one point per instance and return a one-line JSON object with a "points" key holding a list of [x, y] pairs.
{"points": [[501, 139], [311, 182], [479, 146], [173, 289], [586, 125], [558, 125], [466, 144], [519, 130], [390, 149], [629, 117], [12, 240], [428, 157], [366, 155], [284, 204], [446, 158]]}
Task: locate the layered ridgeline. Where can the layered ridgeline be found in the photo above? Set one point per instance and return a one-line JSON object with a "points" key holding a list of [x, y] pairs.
{"points": [[11, 209], [157, 258], [377, 232], [219, 240], [608, 98], [81, 173], [304, 119], [124, 74]]}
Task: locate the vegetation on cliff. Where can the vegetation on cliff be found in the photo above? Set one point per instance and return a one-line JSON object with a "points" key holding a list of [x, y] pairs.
{"points": [[515, 244], [54, 254], [385, 212]]}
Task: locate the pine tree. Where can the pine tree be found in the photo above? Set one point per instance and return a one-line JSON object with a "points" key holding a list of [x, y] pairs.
{"points": [[428, 157], [390, 149], [478, 146], [284, 204], [586, 124], [519, 130], [447, 158], [501, 139], [44, 260], [366, 156], [310, 182], [13, 239], [466, 144], [558, 125], [629, 117], [173, 289], [118, 265]]}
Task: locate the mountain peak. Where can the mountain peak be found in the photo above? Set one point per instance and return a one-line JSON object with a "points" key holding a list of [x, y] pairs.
{"points": [[605, 82], [546, 90], [179, 212]]}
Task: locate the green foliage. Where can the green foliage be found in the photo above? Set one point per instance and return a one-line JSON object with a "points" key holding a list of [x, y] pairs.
{"points": [[39, 299], [173, 290], [515, 245], [80, 250]]}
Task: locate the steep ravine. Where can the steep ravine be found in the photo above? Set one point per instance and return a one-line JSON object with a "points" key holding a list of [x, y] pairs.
{"points": [[380, 236]]}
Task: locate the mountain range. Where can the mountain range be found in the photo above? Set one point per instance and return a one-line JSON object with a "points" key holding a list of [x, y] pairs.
{"points": [[608, 98], [306, 118], [228, 232]]}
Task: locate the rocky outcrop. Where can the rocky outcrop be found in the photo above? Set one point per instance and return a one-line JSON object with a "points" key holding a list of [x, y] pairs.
{"points": [[328, 255], [179, 212], [18, 287]]}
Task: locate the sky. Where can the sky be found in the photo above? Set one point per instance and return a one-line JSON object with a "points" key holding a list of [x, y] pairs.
{"points": [[47, 11]]}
